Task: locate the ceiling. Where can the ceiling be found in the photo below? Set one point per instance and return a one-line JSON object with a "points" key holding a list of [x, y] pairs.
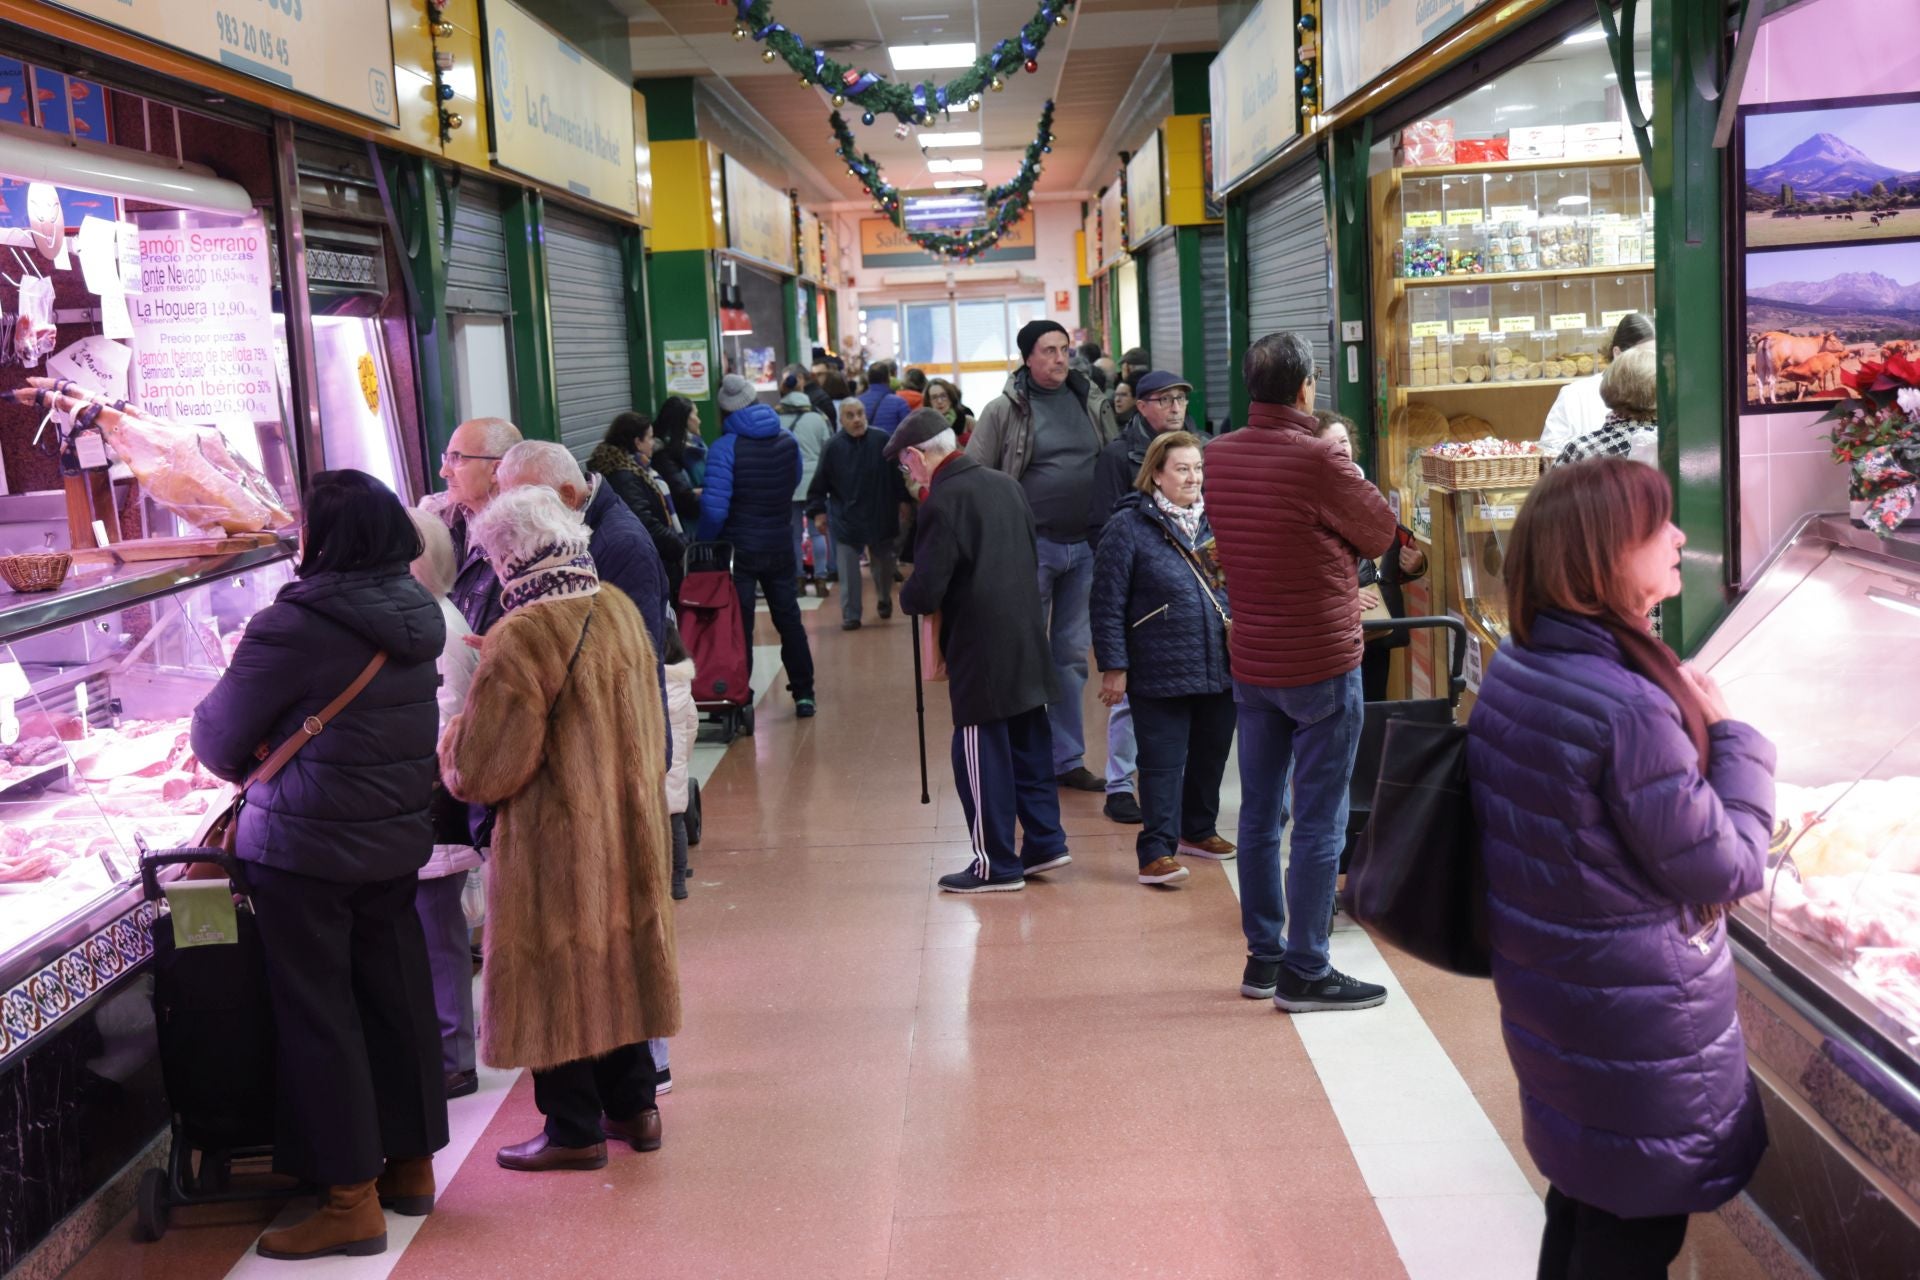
{"points": [[1100, 69]]}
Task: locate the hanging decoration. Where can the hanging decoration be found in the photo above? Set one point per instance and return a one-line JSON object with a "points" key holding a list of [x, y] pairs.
{"points": [[910, 104], [1306, 68], [1008, 201]]}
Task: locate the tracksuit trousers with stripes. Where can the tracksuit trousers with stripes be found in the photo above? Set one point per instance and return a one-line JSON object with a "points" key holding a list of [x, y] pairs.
{"points": [[1004, 769]]}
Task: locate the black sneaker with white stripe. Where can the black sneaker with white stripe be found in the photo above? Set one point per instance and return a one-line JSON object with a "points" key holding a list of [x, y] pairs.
{"points": [[1335, 991], [967, 882]]}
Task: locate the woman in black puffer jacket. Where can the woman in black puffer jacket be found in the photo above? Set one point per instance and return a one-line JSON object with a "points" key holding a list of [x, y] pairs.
{"points": [[1160, 636], [332, 845]]}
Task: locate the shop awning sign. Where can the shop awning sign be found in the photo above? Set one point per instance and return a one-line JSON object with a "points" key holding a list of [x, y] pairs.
{"points": [[1251, 90], [339, 52], [884, 245], [558, 116], [759, 217], [1365, 38]]}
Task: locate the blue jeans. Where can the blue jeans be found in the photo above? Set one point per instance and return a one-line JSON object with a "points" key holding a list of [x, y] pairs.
{"points": [[802, 530], [1315, 731], [1122, 749], [1066, 582]]}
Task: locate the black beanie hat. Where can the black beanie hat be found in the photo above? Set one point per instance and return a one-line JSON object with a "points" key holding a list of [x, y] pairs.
{"points": [[1032, 331]]}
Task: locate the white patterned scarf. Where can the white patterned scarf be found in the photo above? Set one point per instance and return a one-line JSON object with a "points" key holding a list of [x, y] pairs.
{"points": [[1185, 519], [558, 571]]}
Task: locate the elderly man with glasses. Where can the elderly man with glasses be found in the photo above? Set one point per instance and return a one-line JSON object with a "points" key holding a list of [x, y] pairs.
{"points": [[1160, 405], [470, 467]]}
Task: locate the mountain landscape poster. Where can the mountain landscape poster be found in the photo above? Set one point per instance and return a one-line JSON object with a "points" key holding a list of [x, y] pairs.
{"points": [[1839, 172], [1815, 314]]}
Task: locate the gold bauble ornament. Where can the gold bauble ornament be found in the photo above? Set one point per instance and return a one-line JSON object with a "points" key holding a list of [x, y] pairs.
{"points": [[766, 55]]}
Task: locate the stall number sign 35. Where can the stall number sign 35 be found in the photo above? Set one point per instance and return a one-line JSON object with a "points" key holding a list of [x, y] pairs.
{"points": [[243, 37]]}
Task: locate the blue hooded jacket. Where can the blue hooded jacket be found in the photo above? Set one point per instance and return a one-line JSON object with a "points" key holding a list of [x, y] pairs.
{"points": [[885, 409], [751, 473]]}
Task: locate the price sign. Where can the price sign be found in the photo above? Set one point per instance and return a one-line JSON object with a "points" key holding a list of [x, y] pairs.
{"points": [[1430, 218], [1611, 318], [1513, 213], [1516, 324], [1429, 328], [1499, 513], [1464, 217], [1465, 328], [1569, 320], [1476, 669]]}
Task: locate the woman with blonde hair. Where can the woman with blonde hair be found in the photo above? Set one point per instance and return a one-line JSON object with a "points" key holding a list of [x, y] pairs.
{"points": [[1160, 622]]}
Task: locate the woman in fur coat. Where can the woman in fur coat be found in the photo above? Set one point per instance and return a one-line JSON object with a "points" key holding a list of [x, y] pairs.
{"points": [[564, 733]]}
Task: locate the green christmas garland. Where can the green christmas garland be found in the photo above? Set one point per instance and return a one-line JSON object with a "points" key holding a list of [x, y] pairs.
{"points": [[914, 104], [1009, 200]]}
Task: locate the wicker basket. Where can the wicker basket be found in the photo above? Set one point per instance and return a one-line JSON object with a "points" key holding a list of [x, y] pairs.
{"points": [[1515, 471], [35, 570]]}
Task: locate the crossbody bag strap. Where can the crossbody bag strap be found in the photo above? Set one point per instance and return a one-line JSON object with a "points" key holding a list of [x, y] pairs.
{"points": [[1193, 568], [310, 727]]}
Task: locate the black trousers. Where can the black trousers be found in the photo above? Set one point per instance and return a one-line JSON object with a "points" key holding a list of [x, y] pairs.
{"points": [[1376, 667], [1586, 1243], [358, 1044], [1183, 749], [1003, 769], [573, 1095], [775, 580]]}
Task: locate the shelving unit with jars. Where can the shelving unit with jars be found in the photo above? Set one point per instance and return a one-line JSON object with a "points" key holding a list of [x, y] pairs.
{"points": [[1496, 284]]}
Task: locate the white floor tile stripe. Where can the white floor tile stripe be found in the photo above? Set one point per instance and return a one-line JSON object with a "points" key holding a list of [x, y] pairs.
{"points": [[1454, 1199], [467, 1118]]}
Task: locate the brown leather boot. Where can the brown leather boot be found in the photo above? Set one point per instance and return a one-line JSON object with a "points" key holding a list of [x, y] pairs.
{"points": [[349, 1222], [406, 1186], [641, 1130]]}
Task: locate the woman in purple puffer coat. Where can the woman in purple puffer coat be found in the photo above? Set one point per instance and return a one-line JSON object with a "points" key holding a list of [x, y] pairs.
{"points": [[1620, 810]]}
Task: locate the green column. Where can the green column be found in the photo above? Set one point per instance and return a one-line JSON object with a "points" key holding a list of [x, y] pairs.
{"points": [[1193, 357], [538, 401], [633, 261], [1346, 180], [422, 205], [1689, 274], [680, 285], [790, 299], [1238, 320]]}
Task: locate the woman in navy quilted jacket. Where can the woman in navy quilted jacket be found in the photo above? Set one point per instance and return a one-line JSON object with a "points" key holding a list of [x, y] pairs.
{"points": [[1621, 810], [1159, 617]]}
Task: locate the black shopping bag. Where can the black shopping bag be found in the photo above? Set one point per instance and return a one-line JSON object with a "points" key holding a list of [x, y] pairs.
{"points": [[1416, 878]]}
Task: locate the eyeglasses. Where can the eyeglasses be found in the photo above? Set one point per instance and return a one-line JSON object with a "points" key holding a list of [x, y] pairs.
{"points": [[1175, 401], [906, 470], [453, 457]]}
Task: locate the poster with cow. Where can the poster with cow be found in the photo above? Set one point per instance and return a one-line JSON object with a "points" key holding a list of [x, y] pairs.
{"points": [[1829, 244]]}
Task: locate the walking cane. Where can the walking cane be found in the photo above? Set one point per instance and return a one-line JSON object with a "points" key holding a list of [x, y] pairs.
{"points": [[919, 706]]}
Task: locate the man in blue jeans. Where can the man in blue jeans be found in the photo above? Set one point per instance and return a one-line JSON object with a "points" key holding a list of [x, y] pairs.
{"points": [[1042, 430], [1291, 517]]}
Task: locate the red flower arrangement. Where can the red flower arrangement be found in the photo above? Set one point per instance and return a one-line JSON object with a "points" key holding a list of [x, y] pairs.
{"points": [[1878, 434]]}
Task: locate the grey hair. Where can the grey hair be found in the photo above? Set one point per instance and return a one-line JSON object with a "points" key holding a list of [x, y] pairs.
{"points": [[939, 446], [1276, 367], [1631, 385], [541, 462], [521, 523], [856, 402], [497, 435], [435, 567]]}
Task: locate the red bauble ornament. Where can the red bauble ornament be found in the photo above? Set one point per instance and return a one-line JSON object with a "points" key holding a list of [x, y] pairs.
{"points": [[1032, 66]]}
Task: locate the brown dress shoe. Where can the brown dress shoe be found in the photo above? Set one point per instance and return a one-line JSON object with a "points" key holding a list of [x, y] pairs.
{"points": [[642, 1131], [348, 1222], [406, 1186], [537, 1155]]}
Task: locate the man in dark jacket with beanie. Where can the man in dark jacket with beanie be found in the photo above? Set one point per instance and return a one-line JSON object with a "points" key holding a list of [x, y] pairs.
{"points": [[752, 471], [1291, 517], [974, 565], [1043, 431]]}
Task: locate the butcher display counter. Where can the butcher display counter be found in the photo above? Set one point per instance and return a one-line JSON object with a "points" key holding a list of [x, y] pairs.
{"points": [[1820, 656], [98, 683]]}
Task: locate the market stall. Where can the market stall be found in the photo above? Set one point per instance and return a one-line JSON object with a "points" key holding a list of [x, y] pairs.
{"points": [[755, 275]]}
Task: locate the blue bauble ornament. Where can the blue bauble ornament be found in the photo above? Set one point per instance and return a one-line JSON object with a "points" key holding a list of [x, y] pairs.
{"points": [[866, 117]]}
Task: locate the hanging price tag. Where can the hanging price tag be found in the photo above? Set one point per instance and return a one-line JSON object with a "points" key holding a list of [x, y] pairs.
{"points": [[1429, 218], [1429, 328], [91, 450], [1611, 318], [1466, 328], [1516, 324], [1464, 217], [1569, 320], [1499, 513]]}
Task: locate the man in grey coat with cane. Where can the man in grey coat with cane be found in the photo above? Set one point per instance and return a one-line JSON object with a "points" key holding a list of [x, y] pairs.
{"points": [[974, 564]]}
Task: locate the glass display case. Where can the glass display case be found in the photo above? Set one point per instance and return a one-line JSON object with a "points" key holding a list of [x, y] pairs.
{"points": [[1483, 527], [1817, 657], [97, 690]]}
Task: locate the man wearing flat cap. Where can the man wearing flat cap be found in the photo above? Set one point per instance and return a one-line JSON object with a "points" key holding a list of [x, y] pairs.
{"points": [[974, 565], [1043, 430]]}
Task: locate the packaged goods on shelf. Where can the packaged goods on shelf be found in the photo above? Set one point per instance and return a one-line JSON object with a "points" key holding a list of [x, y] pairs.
{"points": [[1537, 142], [1479, 150], [1426, 142], [1594, 131], [1596, 149]]}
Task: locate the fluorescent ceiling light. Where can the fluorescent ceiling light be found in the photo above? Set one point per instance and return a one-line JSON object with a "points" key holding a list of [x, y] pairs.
{"points": [[954, 138], [1592, 36], [955, 184], [960, 164], [931, 57]]}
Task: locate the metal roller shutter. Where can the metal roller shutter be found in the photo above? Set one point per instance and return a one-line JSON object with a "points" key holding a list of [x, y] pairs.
{"points": [[586, 289], [477, 259], [1290, 266], [1216, 378], [1162, 266]]}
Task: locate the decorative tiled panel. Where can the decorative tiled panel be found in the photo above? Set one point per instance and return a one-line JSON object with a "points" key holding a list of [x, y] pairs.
{"points": [[34, 1005]]}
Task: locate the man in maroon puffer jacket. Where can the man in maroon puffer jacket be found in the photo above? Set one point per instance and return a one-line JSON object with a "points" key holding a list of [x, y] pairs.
{"points": [[1291, 516]]}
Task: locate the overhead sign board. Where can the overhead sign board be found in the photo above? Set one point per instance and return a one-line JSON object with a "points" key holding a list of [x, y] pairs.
{"points": [[759, 217], [884, 245], [1364, 38], [1252, 94], [1146, 191], [558, 116], [339, 52]]}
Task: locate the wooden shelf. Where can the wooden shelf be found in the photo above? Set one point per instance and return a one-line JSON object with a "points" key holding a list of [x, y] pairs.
{"points": [[1507, 166], [1402, 283], [1450, 387]]}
